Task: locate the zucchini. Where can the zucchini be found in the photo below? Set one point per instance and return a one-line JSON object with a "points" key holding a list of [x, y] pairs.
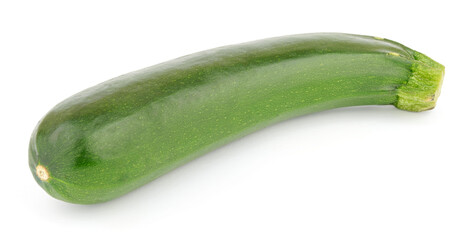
{"points": [[121, 134]]}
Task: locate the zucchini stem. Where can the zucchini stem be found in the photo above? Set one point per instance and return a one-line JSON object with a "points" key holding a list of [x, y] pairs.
{"points": [[423, 88]]}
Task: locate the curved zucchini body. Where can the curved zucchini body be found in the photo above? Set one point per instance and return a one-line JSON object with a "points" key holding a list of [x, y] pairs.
{"points": [[121, 134]]}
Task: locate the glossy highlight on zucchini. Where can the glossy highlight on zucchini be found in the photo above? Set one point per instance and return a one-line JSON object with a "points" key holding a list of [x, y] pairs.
{"points": [[123, 133]]}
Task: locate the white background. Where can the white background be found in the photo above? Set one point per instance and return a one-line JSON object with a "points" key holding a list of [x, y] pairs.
{"points": [[353, 173]]}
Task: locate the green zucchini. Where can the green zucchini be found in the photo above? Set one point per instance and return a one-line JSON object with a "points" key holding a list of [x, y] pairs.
{"points": [[121, 134]]}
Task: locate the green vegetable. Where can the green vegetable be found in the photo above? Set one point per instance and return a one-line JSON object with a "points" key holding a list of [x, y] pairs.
{"points": [[116, 136]]}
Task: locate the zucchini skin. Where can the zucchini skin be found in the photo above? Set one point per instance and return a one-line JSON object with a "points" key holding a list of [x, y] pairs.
{"points": [[121, 134]]}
